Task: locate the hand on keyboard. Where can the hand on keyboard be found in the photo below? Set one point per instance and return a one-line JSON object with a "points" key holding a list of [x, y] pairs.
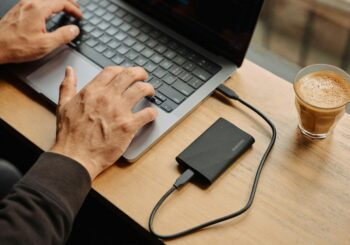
{"points": [[96, 126], [23, 36]]}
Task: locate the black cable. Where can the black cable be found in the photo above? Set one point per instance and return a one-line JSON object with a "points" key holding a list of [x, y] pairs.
{"points": [[188, 174]]}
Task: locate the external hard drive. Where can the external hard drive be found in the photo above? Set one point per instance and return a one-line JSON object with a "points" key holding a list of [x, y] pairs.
{"points": [[215, 150]]}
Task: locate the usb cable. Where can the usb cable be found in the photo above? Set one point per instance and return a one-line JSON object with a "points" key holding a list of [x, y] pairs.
{"points": [[188, 174]]}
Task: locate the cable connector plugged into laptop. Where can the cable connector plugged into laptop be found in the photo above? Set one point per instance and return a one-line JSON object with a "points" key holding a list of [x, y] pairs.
{"points": [[227, 92]]}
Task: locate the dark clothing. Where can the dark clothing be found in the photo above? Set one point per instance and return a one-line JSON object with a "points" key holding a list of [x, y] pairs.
{"points": [[43, 204], [9, 176]]}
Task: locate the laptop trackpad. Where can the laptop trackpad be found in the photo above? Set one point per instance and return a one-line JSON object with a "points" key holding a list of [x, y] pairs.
{"points": [[47, 79]]}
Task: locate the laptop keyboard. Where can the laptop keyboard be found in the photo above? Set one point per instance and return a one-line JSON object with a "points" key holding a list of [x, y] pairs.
{"points": [[110, 35]]}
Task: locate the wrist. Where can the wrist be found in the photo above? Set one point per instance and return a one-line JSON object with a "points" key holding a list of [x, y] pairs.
{"points": [[88, 164]]}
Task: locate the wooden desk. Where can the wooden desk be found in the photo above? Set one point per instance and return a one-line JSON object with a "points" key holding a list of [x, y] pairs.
{"points": [[303, 196]]}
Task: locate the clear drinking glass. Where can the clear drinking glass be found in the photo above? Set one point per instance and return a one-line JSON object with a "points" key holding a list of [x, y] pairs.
{"points": [[317, 117]]}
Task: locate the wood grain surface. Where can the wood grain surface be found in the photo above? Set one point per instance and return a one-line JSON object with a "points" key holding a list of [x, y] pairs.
{"points": [[303, 196]]}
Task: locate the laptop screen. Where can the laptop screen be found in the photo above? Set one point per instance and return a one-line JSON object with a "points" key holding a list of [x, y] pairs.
{"points": [[223, 26]]}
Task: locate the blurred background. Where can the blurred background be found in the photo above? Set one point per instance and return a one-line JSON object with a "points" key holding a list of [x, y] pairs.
{"points": [[295, 33]]}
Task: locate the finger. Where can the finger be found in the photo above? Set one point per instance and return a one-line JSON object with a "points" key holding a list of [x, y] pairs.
{"points": [[137, 91], [106, 76], [75, 3], [63, 5], [145, 116], [68, 88], [127, 77], [62, 35]]}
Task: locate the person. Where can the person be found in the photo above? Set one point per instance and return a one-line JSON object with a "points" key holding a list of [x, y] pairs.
{"points": [[94, 128]]}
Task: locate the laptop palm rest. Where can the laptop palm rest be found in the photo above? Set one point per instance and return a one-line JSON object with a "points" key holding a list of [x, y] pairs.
{"points": [[47, 79]]}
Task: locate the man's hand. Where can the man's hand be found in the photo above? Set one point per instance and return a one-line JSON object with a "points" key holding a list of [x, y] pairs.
{"points": [[95, 126], [23, 35]]}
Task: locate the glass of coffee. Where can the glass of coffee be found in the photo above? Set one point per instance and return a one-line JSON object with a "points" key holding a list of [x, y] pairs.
{"points": [[322, 93]]}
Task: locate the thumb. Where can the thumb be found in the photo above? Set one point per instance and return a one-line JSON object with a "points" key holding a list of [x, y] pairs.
{"points": [[63, 35], [68, 88]]}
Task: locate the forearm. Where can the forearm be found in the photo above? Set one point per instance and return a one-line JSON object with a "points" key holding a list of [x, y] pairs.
{"points": [[42, 207]]}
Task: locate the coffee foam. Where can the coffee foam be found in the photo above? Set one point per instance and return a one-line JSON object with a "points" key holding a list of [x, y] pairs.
{"points": [[323, 89]]}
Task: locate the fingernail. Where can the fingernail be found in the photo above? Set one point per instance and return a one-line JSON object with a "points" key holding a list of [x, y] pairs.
{"points": [[75, 30]]}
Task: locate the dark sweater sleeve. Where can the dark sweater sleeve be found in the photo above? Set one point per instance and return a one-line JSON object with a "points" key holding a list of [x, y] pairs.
{"points": [[42, 206]]}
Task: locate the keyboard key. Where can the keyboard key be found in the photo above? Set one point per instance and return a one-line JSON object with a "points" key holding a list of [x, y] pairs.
{"points": [[146, 28], [108, 17], [171, 93], [127, 63], [92, 43], [142, 37], [168, 106], [113, 44], [125, 27], [91, 7], [87, 15], [159, 72], [212, 68], [103, 25], [112, 30], [169, 79], [83, 2], [170, 54], [164, 39], [155, 34], [183, 88], [105, 38], [147, 52], [173, 45], [95, 20], [118, 59], [160, 48], [121, 13], [150, 66], [155, 82], [166, 64], [128, 18], [123, 49], [156, 58], [133, 32], [151, 43], [140, 60], [88, 28], [120, 36], [96, 33], [160, 96], [132, 55], [116, 22], [176, 70], [202, 74], [183, 51], [104, 3], [137, 23], [92, 54], [138, 47], [195, 83], [157, 101], [99, 12], [109, 53], [189, 66], [185, 76], [129, 41], [100, 48], [112, 8], [179, 60]]}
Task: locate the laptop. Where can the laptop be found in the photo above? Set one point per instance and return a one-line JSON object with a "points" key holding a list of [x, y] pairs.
{"points": [[188, 47]]}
